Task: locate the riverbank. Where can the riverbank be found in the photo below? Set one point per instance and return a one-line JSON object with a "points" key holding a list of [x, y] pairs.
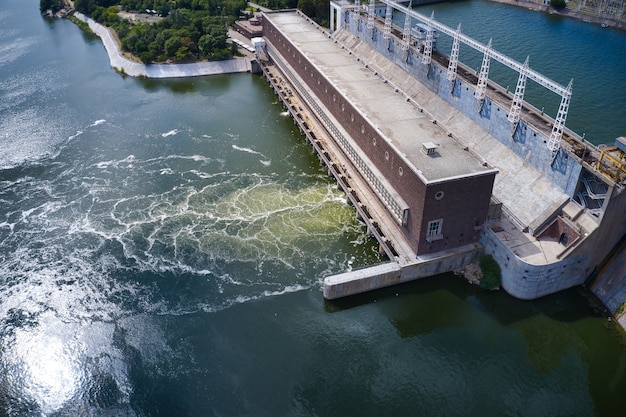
{"points": [[125, 66], [567, 12]]}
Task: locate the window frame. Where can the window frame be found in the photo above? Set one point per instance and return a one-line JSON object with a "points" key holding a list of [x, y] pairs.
{"points": [[434, 230]]}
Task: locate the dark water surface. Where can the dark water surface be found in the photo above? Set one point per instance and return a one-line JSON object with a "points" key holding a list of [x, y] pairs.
{"points": [[162, 245]]}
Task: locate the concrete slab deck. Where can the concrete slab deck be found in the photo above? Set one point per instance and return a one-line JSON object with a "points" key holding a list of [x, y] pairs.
{"points": [[404, 126], [524, 245]]}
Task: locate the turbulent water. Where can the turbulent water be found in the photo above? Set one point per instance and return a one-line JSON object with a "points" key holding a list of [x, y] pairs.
{"points": [[162, 245]]}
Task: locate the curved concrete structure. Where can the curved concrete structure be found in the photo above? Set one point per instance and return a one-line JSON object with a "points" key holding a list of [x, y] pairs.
{"points": [[136, 69]]}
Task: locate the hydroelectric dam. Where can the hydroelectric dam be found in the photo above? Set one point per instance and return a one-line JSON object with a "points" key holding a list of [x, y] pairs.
{"points": [[440, 162]]}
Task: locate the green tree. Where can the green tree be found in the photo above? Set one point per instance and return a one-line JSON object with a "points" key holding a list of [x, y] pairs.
{"points": [[491, 273], [183, 54], [172, 45], [45, 5], [558, 4], [85, 6], [307, 7]]}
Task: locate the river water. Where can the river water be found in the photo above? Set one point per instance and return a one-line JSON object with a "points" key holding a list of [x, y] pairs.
{"points": [[162, 245]]}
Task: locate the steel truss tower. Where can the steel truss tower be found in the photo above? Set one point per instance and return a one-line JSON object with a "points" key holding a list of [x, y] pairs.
{"points": [[559, 123], [454, 57], [518, 98]]}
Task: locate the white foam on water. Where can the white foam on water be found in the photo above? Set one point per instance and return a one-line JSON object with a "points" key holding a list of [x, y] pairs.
{"points": [[116, 163], [222, 230], [265, 162], [207, 175], [248, 150], [287, 290], [170, 133], [83, 272], [98, 122], [75, 135]]}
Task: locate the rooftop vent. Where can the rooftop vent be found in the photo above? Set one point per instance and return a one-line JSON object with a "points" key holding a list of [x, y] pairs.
{"points": [[429, 148]]}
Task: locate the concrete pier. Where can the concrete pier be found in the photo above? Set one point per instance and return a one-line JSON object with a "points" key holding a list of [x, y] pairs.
{"points": [[392, 273]]}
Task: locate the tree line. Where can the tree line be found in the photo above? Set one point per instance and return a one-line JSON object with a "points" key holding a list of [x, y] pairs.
{"points": [[318, 10], [189, 30]]}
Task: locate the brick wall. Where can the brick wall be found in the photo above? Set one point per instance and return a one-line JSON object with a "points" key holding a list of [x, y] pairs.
{"points": [[465, 201]]}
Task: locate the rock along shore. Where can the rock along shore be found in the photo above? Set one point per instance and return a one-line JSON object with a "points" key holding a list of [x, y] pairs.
{"points": [[136, 69]]}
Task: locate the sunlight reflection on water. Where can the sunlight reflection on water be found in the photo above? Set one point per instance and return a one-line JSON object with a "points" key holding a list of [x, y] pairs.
{"points": [[51, 368]]}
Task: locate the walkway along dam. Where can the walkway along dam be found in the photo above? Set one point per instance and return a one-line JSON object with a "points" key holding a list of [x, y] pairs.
{"points": [[440, 162]]}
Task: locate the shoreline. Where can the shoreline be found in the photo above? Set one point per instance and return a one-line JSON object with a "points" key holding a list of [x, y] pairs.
{"points": [[125, 66], [572, 14]]}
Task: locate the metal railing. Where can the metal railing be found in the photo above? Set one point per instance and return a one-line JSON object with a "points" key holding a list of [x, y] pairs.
{"points": [[511, 63]]}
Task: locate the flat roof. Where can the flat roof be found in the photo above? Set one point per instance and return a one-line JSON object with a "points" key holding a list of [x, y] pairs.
{"points": [[398, 120]]}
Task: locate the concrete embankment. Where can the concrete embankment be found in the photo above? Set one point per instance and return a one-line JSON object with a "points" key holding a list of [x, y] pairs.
{"points": [[137, 69], [392, 273]]}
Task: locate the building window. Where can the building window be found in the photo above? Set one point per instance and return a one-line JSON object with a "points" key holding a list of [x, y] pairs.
{"points": [[434, 230], [400, 171], [386, 155], [374, 141]]}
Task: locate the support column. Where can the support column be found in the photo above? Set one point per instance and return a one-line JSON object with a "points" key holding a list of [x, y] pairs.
{"points": [[518, 98], [428, 44], [388, 21], [371, 11], [481, 87], [454, 57], [406, 35], [559, 122]]}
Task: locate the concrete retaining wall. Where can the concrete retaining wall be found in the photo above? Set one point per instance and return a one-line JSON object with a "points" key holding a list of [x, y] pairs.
{"points": [[385, 275], [527, 143], [527, 281]]}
